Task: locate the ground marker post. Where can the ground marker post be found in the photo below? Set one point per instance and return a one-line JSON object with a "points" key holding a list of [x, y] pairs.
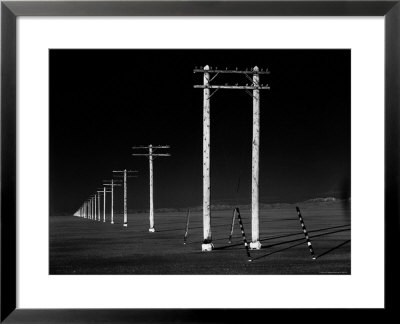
{"points": [[151, 156], [236, 211], [187, 226], [232, 225], [255, 87], [305, 233], [125, 176]]}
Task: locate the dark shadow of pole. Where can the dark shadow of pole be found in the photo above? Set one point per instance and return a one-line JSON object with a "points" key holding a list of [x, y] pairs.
{"points": [[334, 248]]}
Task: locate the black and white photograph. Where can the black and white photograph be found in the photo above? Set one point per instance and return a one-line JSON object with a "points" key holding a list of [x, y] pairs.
{"points": [[200, 161]]}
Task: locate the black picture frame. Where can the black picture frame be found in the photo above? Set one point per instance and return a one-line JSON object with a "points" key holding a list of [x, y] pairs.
{"points": [[10, 10]]}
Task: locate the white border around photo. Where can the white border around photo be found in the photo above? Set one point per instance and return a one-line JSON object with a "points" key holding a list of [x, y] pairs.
{"points": [[364, 288]]}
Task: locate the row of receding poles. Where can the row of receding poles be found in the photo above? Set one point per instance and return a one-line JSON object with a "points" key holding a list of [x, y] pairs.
{"points": [[253, 75], [91, 208]]}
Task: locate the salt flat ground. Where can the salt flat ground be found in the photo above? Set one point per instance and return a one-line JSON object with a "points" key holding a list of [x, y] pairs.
{"points": [[83, 246]]}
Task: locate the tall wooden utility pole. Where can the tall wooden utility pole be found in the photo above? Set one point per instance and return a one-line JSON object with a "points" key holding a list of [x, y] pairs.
{"points": [[255, 87], [207, 245], [124, 174], [151, 156], [112, 183]]}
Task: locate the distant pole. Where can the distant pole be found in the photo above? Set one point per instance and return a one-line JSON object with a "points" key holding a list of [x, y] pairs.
{"points": [[112, 201], [99, 208], [95, 208], [255, 239], [207, 239], [112, 184], [125, 201], [151, 155], [125, 176], [104, 205]]}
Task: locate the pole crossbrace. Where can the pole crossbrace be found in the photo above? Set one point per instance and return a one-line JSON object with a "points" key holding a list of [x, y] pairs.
{"points": [[231, 71]]}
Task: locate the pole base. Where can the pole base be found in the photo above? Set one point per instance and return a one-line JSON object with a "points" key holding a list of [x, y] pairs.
{"points": [[125, 225], [152, 230], [255, 245], [112, 222], [207, 247]]}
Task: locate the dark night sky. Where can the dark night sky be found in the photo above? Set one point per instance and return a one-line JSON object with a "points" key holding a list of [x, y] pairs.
{"points": [[103, 102]]}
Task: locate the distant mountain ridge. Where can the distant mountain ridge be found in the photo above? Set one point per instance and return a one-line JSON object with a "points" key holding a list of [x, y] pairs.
{"points": [[222, 206]]}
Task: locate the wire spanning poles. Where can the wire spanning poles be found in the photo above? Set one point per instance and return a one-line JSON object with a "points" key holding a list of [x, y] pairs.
{"points": [[125, 174], [151, 155], [112, 183], [252, 75]]}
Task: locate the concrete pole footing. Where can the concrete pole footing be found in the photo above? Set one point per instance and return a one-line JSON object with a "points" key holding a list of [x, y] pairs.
{"points": [[255, 245], [207, 247], [152, 230], [125, 225]]}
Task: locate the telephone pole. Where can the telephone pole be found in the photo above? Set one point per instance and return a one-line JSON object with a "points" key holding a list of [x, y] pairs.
{"points": [[151, 156], [91, 208], [95, 206], [112, 183], [124, 174], [255, 94], [102, 191]]}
